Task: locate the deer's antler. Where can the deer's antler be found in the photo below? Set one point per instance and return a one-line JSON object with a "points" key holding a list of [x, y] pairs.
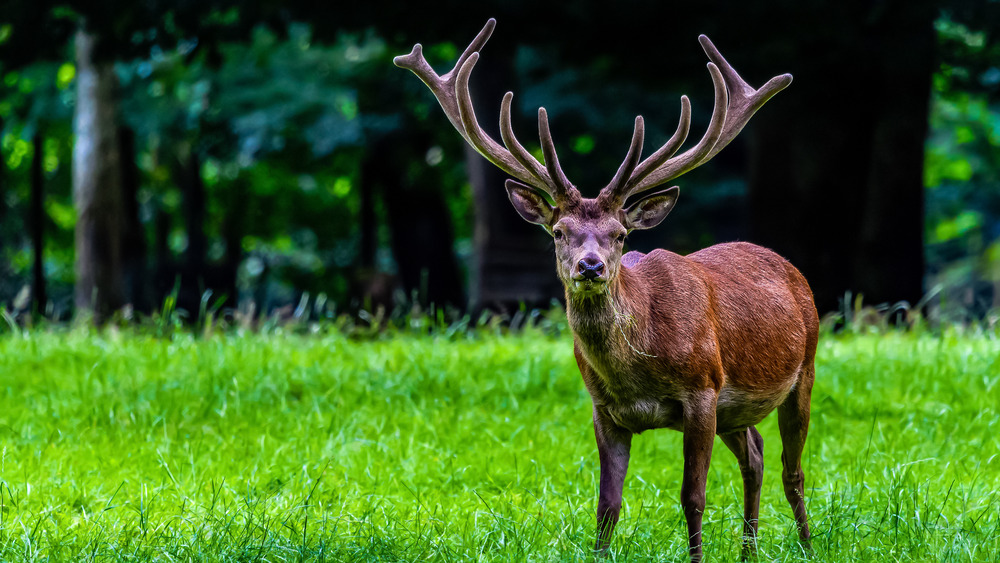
{"points": [[735, 103], [452, 92]]}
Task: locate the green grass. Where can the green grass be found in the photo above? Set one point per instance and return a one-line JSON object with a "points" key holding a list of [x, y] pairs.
{"points": [[123, 447]]}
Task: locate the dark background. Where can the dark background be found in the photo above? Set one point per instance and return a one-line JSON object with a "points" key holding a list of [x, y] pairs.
{"points": [[269, 155]]}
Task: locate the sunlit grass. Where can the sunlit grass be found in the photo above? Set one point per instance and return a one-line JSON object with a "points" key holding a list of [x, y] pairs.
{"points": [[281, 447]]}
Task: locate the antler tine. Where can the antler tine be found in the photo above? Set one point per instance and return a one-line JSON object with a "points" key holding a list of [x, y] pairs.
{"points": [[549, 152], [735, 103], [616, 191], [744, 101], [691, 158], [510, 141], [478, 138], [669, 148], [630, 162], [443, 87]]}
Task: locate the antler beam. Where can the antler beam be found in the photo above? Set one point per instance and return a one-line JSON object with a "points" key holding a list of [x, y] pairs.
{"points": [[735, 103], [452, 92]]}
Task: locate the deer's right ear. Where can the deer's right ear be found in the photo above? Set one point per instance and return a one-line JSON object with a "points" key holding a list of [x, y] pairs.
{"points": [[530, 204]]}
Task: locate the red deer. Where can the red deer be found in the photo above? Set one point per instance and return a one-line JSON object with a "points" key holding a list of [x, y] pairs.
{"points": [[708, 343]]}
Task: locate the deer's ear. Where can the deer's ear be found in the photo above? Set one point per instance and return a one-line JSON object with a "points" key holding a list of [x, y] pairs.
{"points": [[530, 204], [649, 211]]}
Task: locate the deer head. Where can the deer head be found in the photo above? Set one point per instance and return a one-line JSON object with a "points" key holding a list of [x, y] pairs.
{"points": [[589, 233]]}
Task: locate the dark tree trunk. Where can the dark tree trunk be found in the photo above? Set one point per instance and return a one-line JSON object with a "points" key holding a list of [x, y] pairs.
{"points": [[889, 265], [422, 235], [195, 276], [97, 189], [161, 254], [3, 223], [193, 188], [134, 243], [37, 223], [233, 229], [422, 243], [836, 179], [369, 232]]}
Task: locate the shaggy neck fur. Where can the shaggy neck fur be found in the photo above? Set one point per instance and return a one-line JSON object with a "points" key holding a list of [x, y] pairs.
{"points": [[606, 320]]}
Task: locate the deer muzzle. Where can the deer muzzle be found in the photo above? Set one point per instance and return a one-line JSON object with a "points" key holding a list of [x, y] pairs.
{"points": [[590, 268]]}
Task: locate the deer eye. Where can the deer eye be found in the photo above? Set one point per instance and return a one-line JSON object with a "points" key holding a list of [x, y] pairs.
{"points": [[557, 234]]}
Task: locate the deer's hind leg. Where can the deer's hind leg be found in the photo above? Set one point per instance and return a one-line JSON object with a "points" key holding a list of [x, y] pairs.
{"points": [[793, 423], [748, 447]]}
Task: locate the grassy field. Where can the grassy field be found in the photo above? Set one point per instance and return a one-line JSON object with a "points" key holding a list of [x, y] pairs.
{"points": [[123, 447]]}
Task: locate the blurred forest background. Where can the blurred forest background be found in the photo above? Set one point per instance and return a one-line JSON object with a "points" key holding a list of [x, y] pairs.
{"points": [[268, 155]]}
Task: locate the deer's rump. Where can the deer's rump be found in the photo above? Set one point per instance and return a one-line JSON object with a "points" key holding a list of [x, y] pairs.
{"points": [[767, 328]]}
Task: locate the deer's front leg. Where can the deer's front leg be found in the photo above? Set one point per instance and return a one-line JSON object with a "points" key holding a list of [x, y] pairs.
{"points": [[699, 435], [613, 445]]}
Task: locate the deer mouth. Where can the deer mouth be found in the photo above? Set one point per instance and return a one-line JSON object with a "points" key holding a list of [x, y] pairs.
{"points": [[581, 283]]}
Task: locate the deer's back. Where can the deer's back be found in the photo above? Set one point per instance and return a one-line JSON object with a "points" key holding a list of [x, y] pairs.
{"points": [[760, 306]]}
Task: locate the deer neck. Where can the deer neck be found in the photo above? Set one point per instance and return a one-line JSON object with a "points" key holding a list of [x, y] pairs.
{"points": [[606, 320]]}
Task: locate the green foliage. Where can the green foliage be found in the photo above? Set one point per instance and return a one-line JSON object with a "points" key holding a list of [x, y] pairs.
{"points": [[962, 163], [282, 117], [276, 122], [277, 127], [36, 100], [119, 446]]}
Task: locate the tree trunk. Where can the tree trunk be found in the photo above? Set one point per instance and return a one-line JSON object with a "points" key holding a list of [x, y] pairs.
{"points": [[369, 226], [234, 227], [3, 216], [193, 188], [889, 264], [134, 243], [164, 269], [192, 269], [422, 234], [97, 187], [37, 223], [836, 162]]}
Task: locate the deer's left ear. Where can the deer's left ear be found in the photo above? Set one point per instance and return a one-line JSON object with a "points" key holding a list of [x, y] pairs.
{"points": [[649, 211], [530, 204]]}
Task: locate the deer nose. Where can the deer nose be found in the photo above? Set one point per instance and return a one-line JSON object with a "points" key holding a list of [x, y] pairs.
{"points": [[591, 268]]}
